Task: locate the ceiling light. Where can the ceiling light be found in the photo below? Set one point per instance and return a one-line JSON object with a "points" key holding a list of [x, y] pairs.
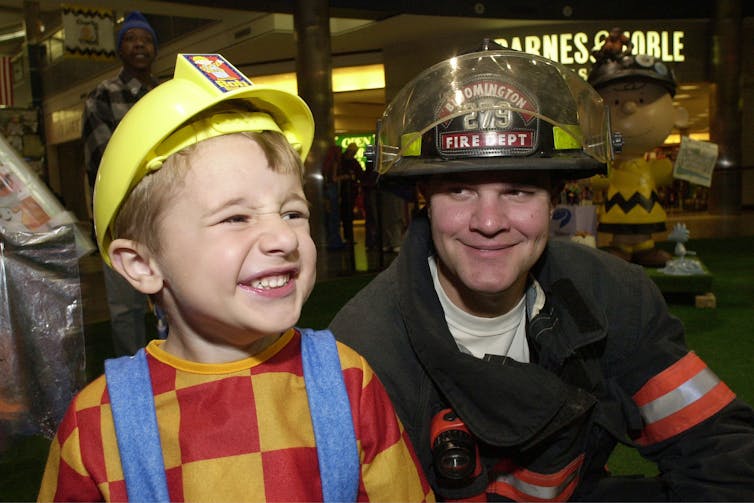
{"points": [[350, 78]]}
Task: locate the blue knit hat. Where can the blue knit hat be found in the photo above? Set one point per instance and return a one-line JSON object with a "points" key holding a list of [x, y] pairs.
{"points": [[136, 20]]}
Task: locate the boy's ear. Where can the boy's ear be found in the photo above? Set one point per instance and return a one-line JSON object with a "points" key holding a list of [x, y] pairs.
{"points": [[134, 262]]}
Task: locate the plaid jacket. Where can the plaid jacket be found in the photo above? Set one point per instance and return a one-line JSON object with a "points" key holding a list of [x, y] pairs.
{"points": [[235, 432], [105, 107]]}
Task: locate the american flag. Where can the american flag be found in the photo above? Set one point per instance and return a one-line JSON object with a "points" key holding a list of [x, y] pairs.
{"points": [[6, 82]]}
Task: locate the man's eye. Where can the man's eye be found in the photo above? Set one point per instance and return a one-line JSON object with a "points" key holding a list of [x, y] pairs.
{"points": [[295, 215], [521, 193], [457, 190]]}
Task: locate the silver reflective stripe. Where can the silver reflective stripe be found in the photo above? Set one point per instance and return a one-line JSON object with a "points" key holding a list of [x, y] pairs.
{"points": [[541, 492], [684, 395]]}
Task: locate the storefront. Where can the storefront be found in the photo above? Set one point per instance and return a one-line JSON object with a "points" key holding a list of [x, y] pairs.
{"points": [[685, 45], [680, 46]]}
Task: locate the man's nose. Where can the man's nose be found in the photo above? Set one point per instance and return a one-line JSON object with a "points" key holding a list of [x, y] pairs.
{"points": [[489, 216]]}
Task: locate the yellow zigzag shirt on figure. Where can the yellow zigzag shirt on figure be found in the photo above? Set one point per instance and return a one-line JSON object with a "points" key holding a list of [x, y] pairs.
{"points": [[239, 431], [632, 204]]}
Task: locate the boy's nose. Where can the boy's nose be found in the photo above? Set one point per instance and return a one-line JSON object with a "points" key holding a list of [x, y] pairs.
{"points": [[277, 236]]}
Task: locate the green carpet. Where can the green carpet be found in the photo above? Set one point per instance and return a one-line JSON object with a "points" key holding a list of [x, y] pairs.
{"points": [[721, 336]]}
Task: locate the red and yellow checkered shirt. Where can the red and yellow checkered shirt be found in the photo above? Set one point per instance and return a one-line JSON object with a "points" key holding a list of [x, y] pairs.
{"points": [[238, 431]]}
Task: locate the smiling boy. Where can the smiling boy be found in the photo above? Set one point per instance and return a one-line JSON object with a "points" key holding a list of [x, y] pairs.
{"points": [[199, 203]]}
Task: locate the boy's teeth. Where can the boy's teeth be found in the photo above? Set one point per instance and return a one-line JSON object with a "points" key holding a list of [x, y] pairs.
{"points": [[272, 281]]}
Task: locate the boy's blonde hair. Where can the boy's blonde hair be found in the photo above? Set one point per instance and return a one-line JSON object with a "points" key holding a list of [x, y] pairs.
{"points": [[139, 217]]}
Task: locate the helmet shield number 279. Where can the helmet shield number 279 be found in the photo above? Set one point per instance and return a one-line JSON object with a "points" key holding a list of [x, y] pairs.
{"points": [[493, 110], [497, 118]]}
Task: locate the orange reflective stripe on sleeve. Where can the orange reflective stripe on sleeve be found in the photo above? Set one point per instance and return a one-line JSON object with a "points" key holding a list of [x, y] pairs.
{"points": [[520, 484], [678, 398]]}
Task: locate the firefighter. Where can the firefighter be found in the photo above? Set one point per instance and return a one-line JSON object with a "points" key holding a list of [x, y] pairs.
{"points": [[516, 364]]}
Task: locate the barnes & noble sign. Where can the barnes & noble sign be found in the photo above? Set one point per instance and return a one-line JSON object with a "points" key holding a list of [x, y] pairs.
{"points": [[675, 45]]}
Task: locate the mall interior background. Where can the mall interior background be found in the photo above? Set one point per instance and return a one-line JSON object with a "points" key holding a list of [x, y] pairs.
{"points": [[375, 48], [371, 49]]}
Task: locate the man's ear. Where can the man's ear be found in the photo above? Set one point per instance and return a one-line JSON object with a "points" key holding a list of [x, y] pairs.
{"points": [[134, 262]]}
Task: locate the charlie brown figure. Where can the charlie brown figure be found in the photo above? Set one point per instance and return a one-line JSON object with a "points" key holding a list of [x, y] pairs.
{"points": [[639, 90]]}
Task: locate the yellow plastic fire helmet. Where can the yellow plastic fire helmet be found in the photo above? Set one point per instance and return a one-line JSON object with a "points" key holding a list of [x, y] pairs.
{"points": [[160, 124]]}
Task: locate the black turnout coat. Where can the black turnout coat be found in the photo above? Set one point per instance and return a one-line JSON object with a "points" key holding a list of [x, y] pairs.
{"points": [[609, 365]]}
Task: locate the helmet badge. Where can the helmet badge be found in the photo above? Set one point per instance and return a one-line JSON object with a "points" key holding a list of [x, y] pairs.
{"points": [[486, 116]]}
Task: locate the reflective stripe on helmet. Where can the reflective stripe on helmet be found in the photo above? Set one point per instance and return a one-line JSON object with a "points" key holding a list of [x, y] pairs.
{"points": [[566, 137], [678, 398], [411, 144], [520, 484]]}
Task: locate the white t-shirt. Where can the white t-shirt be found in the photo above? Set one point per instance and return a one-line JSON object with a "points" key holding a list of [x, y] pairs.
{"points": [[503, 335]]}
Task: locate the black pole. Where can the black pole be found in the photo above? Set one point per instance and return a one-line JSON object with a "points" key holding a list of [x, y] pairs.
{"points": [[314, 77], [726, 123], [35, 53]]}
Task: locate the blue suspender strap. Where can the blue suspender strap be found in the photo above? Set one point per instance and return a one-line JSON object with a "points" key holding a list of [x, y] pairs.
{"points": [[132, 403], [330, 408]]}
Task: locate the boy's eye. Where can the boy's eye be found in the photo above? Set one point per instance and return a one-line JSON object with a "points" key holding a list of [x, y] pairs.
{"points": [[236, 219]]}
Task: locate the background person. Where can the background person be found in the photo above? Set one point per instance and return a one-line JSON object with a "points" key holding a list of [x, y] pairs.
{"points": [[331, 191], [517, 364], [104, 108], [349, 171], [368, 187], [208, 216]]}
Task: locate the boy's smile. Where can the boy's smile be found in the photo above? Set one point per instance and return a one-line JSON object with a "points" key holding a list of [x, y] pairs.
{"points": [[236, 255], [271, 283]]}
